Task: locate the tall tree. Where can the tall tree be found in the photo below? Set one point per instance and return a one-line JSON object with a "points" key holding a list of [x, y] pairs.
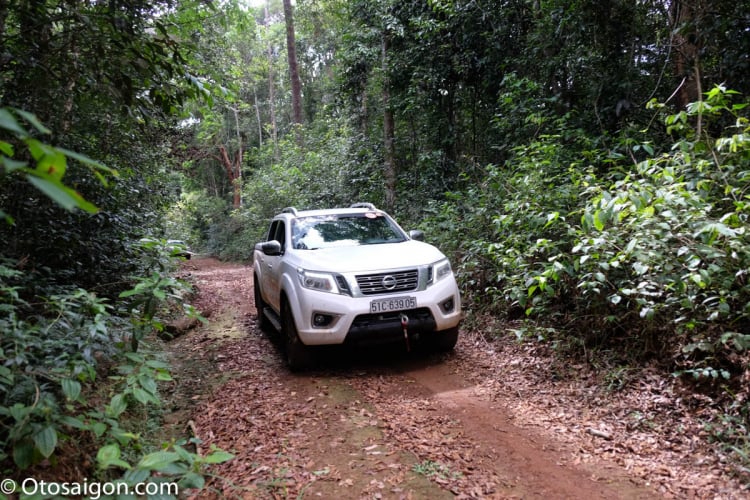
{"points": [[685, 18], [389, 163], [291, 50], [233, 167], [271, 88]]}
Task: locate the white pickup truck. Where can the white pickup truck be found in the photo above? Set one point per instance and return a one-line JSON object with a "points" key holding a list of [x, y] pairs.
{"points": [[352, 275]]}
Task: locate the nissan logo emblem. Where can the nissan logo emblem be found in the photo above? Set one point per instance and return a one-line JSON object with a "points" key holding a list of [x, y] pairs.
{"points": [[389, 282]]}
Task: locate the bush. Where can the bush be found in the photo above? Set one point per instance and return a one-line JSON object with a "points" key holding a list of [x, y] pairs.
{"points": [[510, 224], [652, 256], [72, 374]]}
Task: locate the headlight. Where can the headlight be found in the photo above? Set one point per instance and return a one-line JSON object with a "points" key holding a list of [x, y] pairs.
{"points": [[440, 270], [323, 282]]}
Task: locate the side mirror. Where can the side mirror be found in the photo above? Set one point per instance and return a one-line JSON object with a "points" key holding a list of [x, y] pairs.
{"points": [[272, 247], [416, 234]]}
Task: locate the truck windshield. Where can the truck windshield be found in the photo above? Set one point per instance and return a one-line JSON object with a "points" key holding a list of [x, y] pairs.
{"points": [[312, 233]]}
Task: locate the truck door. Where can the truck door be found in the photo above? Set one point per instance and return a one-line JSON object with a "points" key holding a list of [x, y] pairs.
{"points": [[272, 266]]}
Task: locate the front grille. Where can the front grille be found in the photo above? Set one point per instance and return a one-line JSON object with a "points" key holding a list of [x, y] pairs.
{"points": [[395, 282]]}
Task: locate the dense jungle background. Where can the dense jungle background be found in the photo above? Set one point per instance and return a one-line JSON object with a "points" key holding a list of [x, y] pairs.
{"points": [[585, 164]]}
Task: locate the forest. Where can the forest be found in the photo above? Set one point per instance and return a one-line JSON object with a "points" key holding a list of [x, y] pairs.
{"points": [[585, 165]]}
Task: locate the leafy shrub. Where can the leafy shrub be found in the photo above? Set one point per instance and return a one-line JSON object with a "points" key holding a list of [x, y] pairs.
{"points": [[50, 163], [664, 247], [47, 348], [510, 224], [657, 250], [655, 253], [56, 353], [83, 246]]}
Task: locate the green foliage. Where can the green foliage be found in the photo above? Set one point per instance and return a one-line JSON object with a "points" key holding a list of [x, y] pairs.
{"points": [[54, 388], [194, 216], [72, 57], [655, 253], [174, 464], [731, 431], [103, 78], [622, 254], [319, 173], [512, 221], [155, 292], [48, 355], [51, 163]]}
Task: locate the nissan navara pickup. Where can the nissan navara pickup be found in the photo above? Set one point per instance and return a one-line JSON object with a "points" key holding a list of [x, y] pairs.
{"points": [[352, 276]]}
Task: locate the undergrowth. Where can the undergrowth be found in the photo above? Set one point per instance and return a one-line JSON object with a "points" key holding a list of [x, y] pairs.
{"points": [[80, 380]]}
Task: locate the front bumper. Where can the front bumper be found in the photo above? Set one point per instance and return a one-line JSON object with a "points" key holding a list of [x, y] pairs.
{"points": [[437, 308], [388, 327]]}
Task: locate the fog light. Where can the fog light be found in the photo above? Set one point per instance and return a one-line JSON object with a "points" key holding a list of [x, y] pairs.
{"points": [[320, 320], [447, 305]]}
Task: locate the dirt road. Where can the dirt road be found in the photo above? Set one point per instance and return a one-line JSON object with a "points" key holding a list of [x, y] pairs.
{"points": [[476, 423]]}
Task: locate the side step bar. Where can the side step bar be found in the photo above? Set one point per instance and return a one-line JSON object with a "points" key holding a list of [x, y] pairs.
{"points": [[273, 318]]}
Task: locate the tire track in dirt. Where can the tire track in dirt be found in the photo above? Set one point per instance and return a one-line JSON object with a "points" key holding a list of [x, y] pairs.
{"points": [[537, 467]]}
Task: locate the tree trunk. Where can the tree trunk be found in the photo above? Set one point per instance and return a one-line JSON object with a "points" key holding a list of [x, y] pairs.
{"points": [[257, 117], [685, 14], [70, 76], [232, 168], [389, 170], [291, 50], [272, 96], [237, 166]]}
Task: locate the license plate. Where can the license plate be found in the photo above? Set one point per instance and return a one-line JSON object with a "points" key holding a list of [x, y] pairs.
{"points": [[394, 304]]}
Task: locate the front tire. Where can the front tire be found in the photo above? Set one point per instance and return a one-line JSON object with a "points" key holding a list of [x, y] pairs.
{"points": [[445, 340], [298, 355]]}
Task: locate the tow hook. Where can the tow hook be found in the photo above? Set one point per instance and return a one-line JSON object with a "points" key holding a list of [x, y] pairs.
{"points": [[404, 325]]}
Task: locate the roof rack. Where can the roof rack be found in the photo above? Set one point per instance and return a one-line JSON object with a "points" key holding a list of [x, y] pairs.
{"points": [[290, 210], [369, 206]]}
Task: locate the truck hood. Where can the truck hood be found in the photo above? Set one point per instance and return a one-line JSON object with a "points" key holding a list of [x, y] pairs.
{"points": [[366, 258]]}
